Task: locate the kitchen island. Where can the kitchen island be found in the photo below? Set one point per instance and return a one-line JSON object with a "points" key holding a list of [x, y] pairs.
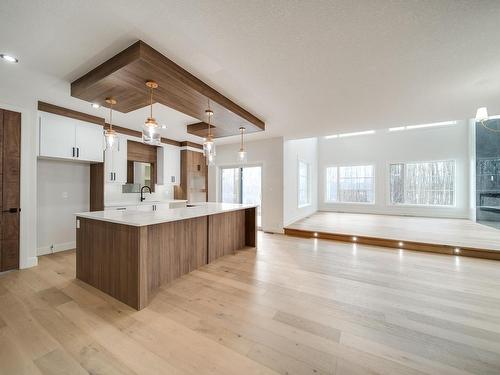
{"points": [[130, 254]]}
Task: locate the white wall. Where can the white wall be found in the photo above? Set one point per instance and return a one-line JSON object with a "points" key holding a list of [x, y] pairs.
{"points": [[305, 150], [382, 148], [63, 190], [269, 154]]}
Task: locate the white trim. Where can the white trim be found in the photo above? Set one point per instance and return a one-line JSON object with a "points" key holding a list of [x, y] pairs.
{"points": [[44, 250], [409, 205], [309, 183], [374, 184], [189, 148]]}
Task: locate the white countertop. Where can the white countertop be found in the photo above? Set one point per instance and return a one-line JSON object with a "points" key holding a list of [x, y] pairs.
{"points": [[144, 203], [142, 218]]}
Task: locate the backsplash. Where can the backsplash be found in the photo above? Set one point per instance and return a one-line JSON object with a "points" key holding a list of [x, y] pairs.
{"points": [[113, 194]]}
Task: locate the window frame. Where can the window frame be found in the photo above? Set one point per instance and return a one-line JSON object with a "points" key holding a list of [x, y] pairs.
{"points": [[309, 184], [374, 184], [434, 206]]}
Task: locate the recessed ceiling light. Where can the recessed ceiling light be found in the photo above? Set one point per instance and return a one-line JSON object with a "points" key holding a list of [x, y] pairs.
{"points": [[163, 126], [400, 244], [355, 239], [457, 250], [315, 234], [9, 58], [95, 105]]}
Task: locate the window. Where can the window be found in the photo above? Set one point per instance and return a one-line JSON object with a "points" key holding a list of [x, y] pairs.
{"points": [[304, 184], [423, 183], [351, 184]]}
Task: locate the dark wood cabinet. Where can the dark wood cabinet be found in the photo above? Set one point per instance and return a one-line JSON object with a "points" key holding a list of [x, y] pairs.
{"points": [[10, 172], [194, 177]]}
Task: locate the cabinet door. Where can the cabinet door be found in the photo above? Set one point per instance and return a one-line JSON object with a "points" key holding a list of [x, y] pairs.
{"points": [[119, 158], [108, 166], [170, 167], [57, 136], [89, 142]]}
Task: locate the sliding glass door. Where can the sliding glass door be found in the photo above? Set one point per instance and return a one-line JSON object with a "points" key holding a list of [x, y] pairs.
{"points": [[242, 185]]}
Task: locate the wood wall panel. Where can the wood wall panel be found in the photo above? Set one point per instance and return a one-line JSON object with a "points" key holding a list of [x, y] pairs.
{"points": [[10, 139], [226, 234], [107, 258], [194, 177], [131, 263], [251, 227], [97, 187], [124, 75]]}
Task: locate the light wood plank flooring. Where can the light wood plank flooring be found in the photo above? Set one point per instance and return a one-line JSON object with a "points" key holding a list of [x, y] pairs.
{"points": [[295, 306], [453, 232]]}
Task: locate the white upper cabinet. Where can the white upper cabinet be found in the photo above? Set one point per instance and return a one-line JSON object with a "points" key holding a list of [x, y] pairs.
{"points": [[66, 138], [89, 141], [169, 165], [115, 162]]}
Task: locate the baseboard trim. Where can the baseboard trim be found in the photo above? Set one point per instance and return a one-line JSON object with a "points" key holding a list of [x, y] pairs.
{"points": [[44, 250]]}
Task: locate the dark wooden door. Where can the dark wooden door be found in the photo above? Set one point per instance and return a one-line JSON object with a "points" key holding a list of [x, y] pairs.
{"points": [[10, 168]]}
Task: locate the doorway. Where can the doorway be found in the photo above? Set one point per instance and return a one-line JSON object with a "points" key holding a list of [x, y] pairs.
{"points": [[10, 169], [242, 185]]}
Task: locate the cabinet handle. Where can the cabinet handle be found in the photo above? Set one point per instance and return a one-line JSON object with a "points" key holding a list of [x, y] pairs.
{"points": [[78, 152], [114, 176], [12, 210], [73, 152]]}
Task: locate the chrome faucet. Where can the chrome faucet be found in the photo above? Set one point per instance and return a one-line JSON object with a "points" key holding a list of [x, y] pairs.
{"points": [[142, 192]]}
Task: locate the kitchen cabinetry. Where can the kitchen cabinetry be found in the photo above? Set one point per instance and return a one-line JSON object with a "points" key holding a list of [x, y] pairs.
{"points": [[169, 165], [194, 172], [115, 163], [66, 138]]}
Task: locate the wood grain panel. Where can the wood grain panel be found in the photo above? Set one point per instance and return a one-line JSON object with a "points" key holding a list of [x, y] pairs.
{"points": [[191, 144], [124, 75], [107, 258], [194, 173], [137, 151], [61, 111], [226, 234], [11, 172], [251, 227], [97, 187], [174, 249]]}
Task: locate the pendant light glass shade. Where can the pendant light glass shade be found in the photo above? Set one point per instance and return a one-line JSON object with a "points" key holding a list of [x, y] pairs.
{"points": [[150, 134], [111, 139], [242, 154], [209, 144], [482, 114]]}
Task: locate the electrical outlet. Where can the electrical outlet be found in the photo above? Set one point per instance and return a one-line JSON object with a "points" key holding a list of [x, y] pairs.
{"points": [[52, 248]]}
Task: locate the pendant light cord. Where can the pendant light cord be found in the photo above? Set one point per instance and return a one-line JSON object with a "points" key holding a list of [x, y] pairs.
{"points": [[490, 129], [241, 142], [111, 116], [151, 101]]}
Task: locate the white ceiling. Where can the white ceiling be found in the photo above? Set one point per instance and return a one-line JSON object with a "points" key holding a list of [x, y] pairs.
{"points": [[306, 68]]}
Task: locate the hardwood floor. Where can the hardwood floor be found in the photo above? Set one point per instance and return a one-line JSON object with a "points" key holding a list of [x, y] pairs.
{"points": [[295, 306], [453, 232]]}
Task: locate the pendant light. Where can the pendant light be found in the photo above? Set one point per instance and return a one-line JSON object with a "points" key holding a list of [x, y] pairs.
{"points": [[110, 136], [209, 145], [482, 116], [242, 154], [150, 135]]}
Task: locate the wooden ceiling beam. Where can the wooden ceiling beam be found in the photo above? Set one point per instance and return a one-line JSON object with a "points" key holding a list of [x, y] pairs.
{"points": [[123, 77]]}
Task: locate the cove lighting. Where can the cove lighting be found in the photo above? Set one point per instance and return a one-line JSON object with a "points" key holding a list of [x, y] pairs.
{"points": [[344, 135], [397, 129], [9, 58]]}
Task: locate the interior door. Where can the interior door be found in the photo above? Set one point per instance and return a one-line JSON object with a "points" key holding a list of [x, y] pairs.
{"points": [[10, 167]]}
